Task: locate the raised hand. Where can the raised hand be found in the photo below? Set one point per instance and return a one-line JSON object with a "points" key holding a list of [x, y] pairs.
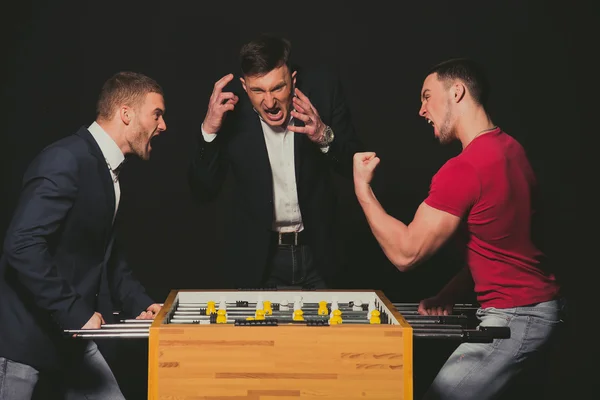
{"points": [[307, 113], [364, 167], [218, 105]]}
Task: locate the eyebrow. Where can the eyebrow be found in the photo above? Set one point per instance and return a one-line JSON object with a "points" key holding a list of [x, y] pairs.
{"points": [[423, 94], [159, 110], [275, 87]]}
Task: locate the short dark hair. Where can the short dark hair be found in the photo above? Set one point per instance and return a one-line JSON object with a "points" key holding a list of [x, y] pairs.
{"points": [[468, 71], [124, 88], [264, 54]]}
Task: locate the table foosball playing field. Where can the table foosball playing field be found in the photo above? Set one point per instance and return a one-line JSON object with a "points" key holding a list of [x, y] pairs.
{"points": [[271, 344]]}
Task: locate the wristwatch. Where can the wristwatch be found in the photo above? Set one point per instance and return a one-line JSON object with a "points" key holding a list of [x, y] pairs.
{"points": [[327, 137]]}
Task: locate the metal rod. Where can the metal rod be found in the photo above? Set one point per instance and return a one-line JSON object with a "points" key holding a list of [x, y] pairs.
{"points": [[124, 330], [130, 335]]}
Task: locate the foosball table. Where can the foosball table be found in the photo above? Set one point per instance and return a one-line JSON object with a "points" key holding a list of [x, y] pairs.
{"points": [[273, 344]]}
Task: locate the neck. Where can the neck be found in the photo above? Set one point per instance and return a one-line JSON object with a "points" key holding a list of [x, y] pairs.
{"points": [[473, 125], [116, 133]]}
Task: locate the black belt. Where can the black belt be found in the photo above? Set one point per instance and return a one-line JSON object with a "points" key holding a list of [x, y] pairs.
{"points": [[289, 238]]}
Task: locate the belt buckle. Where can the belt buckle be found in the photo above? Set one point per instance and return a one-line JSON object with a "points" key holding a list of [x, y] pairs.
{"points": [[280, 238]]}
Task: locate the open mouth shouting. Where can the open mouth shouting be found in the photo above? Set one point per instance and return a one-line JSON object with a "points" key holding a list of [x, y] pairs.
{"points": [[274, 114]]}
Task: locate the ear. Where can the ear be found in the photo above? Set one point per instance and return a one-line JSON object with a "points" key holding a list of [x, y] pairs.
{"points": [[126, 114], [458, 92], [243, 81]]}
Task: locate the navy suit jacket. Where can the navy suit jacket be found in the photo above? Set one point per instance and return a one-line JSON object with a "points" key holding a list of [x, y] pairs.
{"points": [[60, 260], [240, 147]]}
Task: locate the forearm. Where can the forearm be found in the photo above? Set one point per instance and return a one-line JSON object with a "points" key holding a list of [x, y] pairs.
{"points": [[458, 287], [392, 235]]}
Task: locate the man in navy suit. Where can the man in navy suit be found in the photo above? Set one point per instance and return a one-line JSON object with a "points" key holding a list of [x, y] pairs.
{"points": [[61, 268], [280, 140]]}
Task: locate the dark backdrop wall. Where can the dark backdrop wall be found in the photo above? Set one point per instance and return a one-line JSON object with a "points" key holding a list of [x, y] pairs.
{"points": [[59, 53]]}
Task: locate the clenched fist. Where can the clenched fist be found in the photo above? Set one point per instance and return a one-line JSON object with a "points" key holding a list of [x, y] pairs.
{"points": [[364, 167]]}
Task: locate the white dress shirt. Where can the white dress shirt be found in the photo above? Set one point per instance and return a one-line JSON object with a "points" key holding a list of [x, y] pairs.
{"points": [[113, 156], [280, 147]]}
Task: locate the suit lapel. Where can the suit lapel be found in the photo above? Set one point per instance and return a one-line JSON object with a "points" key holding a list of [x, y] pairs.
{"points": [[107, 183], [257, 147]]}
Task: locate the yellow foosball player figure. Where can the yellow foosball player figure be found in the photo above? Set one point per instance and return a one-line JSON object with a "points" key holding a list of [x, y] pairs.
{"points": [[298, 315], [210, 308], [267, 307], [322, 308], [336, 317], [221, 317], [260, 315], [375, 319]]}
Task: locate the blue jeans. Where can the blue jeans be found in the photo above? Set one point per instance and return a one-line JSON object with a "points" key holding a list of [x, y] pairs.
{"points": [[292, 266], [483, 371], [90, 379]]}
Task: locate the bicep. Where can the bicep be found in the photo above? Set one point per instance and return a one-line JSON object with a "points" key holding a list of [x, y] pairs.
{"points": [[430, 229]]}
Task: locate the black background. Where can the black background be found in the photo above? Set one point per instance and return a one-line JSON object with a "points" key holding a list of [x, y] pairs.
{"points": [[58, 54]]}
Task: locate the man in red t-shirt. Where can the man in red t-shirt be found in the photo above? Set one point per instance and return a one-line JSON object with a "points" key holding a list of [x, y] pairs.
{"points": [[487, 189]]}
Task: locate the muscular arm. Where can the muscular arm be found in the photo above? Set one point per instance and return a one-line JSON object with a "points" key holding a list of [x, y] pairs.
{"points": [[407, 245]]}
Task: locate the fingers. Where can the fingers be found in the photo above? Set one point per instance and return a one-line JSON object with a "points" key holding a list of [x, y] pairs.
{"points": [[366, 159], [301, 106], [364, 156], [302, 117], [219, 97], [301, 97], [221, 83]]}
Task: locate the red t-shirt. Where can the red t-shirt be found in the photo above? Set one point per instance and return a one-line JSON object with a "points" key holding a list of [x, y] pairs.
{"points": [[490, 185]]}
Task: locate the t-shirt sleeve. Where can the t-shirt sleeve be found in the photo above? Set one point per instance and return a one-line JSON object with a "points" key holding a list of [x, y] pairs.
{"points": [[454, 188]]}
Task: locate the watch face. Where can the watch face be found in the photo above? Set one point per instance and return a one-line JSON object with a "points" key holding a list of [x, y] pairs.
{"points": [[329, 134]]}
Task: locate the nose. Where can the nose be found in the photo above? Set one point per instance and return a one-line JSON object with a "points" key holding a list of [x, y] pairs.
{"points": [[422, 110], [269, 100], [162, 126]]}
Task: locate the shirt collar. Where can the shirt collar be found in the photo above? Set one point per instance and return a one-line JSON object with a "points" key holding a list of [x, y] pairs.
{"points": [[111, 152]]}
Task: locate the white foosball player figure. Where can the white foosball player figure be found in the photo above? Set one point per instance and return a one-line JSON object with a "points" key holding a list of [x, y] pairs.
{"points": [[371, 308], [223, 303], [334, 306], [284, 305], [298, 302]]}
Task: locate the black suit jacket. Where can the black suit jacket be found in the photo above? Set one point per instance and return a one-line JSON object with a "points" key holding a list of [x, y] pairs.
{"points": [[60, 260], [240, 146]]}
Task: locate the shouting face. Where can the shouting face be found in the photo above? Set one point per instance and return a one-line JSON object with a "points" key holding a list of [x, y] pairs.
{"points": [[271, 94], [437, 108], [146, 122]]}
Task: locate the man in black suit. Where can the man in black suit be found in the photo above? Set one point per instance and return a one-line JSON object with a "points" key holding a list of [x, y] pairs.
{"points": [[280, 141], [61, 267]]}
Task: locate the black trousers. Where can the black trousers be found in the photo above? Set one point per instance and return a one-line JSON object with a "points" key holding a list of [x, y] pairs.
{"points": [[291, 265]]}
